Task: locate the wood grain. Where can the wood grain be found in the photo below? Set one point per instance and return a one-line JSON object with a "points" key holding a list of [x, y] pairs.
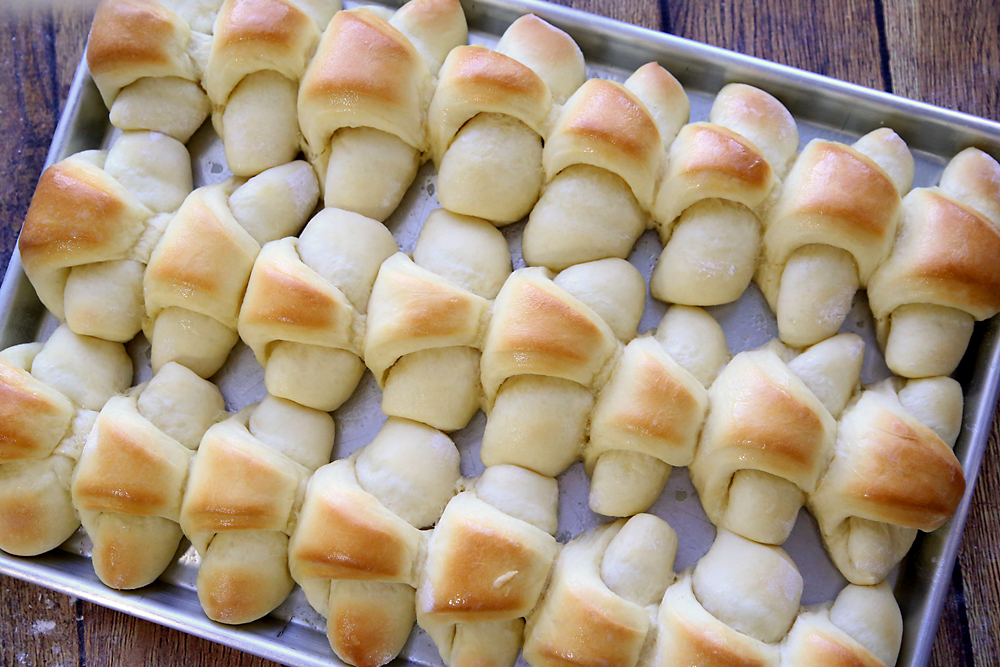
{"points": [[912, 47]]}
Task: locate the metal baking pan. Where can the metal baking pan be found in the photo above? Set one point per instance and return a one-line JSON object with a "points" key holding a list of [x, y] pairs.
{"points": [[823, 107]]}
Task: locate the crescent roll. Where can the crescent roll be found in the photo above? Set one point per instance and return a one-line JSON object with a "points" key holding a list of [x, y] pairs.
{"points": [[862, 627], [363, 100], [732, 608], [719, 174], [551, 343], [605, 585], [649, 415], [492, 110], [92, 224], [147, 64], [51, 393], [260, 49], [357, 541], [487, 562], [244, 490], [427, 317], [199, 270], [130, 479], [944, 270], [832, 226], [304, 310], [602, 161], [770, 433], [893, 473]]}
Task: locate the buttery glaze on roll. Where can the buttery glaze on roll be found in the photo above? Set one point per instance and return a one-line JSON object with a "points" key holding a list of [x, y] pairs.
{"points": [[358, 539], [491, 112], [893, 473], [92, 224], [944, 271], [602, 162], [363, 100], [832, 226], [50, 394], [550, 345], [719, 177], [770, 434], [304, 310]]}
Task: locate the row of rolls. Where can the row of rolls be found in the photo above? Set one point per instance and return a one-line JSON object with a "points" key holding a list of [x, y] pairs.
{"points": [[116, 242]]}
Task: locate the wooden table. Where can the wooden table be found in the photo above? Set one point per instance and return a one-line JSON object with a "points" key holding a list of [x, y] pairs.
{"points": [[912, 48]]}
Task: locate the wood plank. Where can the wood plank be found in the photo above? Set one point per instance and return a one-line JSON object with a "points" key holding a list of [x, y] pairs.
{"points": [[838, 39], [41, 627], [645, 13], [112, 638]]}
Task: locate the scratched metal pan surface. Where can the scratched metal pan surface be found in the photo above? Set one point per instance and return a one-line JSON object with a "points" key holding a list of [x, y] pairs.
{"points": [[823, 107]]}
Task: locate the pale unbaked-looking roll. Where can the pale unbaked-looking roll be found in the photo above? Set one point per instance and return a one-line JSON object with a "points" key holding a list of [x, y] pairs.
{"points": [[304, 310], [427, 317], [51, 395], [260, 49], [770, 433], [130, 479], [862, 627], [198, 272], [719, 176], [357, 542], [602, 161], [491, 112], [147, 64], [597, 607], [487, 563], [362, 102], [92, 224], [893, 473], [649, 415], [244, 491], [832, 226], [944, 270], [550, 345]]}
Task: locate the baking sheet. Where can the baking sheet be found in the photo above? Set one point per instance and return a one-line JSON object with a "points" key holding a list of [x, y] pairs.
{"points": [[294, 634]]}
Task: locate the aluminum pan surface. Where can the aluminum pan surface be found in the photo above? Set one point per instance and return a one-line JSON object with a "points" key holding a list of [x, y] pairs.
{"points": [[824, 108]]}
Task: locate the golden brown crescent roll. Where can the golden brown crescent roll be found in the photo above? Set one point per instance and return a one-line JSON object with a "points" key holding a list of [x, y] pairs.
{"points": [[245, 488], [550, 344], [147, 63], [833, 224], [719, 174], [199, 270], [304, 308], [49, 398], [357, 540], [260, 49], [770, 433], [944, 270], [492, 110], [893, 473], [363, 100], [427, 317], [130, 479], [602, 160], [92, 223], [597, 608], [863, 627], [648, 416], [487, 562], [732, 608]]}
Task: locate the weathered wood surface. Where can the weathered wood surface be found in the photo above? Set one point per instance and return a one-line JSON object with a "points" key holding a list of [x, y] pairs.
{"points": [[910, 47]]}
